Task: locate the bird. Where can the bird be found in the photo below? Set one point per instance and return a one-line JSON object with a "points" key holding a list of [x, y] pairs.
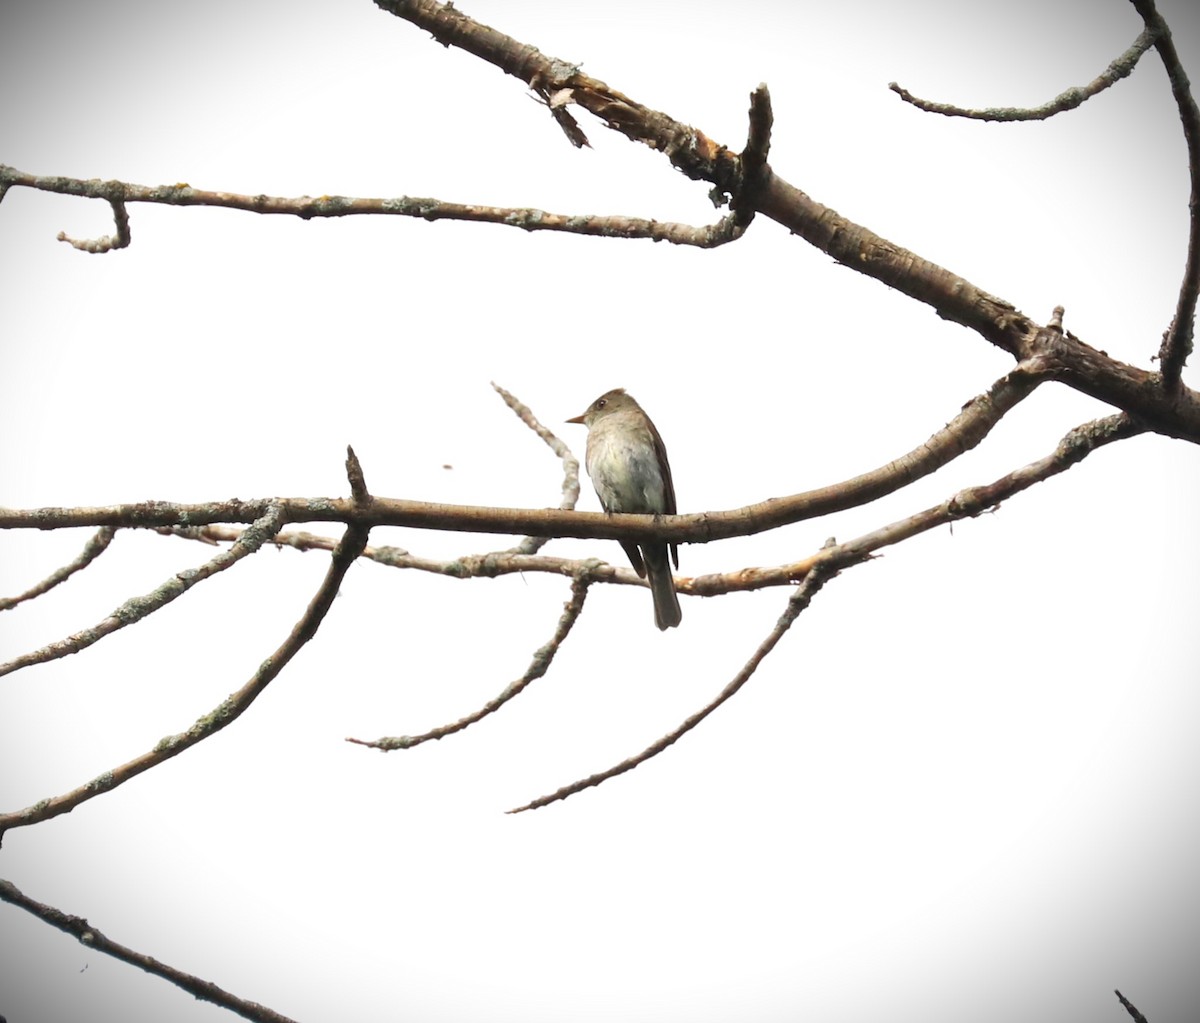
{"points": [[627, 461]]}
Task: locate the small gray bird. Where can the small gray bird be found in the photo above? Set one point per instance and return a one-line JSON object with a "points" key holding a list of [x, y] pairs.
{"points": [[628, 464]]}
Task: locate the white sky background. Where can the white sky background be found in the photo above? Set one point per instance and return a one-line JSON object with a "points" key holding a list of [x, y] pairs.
{"points": [[963, 787]]}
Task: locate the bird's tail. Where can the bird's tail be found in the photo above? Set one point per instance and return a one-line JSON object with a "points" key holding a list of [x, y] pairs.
{"points": [[662, 586]]}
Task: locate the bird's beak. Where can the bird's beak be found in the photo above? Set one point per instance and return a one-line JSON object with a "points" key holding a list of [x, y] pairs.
{"points": [[578, 419]]}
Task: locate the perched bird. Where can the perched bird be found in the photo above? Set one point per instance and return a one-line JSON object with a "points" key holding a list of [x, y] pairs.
{"points": [[628, 464]]}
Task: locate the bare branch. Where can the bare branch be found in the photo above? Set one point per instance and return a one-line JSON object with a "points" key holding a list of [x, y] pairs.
{"points": [[137, 608], [758, 139], [754, 156], [796, 603], [537, 668], [354, 474], [833, 558], [108, 242], [228, 711], [688, 149], [1177, 341], [1076, 96], [1071, 360], [307, 208], [961, 434], [954, 298], [491, 566], [92, 938], [96, 546], [570, 484]]}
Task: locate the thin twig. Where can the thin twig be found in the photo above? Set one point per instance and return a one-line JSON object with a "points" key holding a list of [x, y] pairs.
{"points": [[108, 242], [308, 207], [1076, 96], [1177, 341], [537, 668], [92, 938], [973, 501], [797, 602], [570, 483], [492, 566], [231, 708], [96, 545], [137, 608]]}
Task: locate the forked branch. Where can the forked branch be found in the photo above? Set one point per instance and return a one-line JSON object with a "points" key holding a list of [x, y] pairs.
{"points": [[833, 558]]}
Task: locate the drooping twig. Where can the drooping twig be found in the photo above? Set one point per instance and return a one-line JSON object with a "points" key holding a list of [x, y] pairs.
{"points": [[1177, 341], [231, 708], [796, 603], [137, 608], [309, 207], [95, 546], [537, 668], [108, 242], [1073, 448], [1131, 1009], [570, 483], [1076, 96], [92, 938]]}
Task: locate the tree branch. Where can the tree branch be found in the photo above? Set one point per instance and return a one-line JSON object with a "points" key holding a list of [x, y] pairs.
{"points": [[967, 429], [570, 483], [1177, 341], [968, 503], [537, 668], [1176, 414], [120, 193], [1130, 1008], [796, 603], [92, 938], [350, 547], [137, 608], [109, 242], [96, 546], [1069, 99]]}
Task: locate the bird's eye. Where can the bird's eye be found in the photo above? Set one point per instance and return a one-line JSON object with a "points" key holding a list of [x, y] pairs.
{"points": [[601, 402]]}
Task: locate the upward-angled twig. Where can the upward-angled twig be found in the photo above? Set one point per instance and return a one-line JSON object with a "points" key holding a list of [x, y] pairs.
{"points": [[137, 608], [570, 483], [96, 545], [797, 602], [537, 668]]}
